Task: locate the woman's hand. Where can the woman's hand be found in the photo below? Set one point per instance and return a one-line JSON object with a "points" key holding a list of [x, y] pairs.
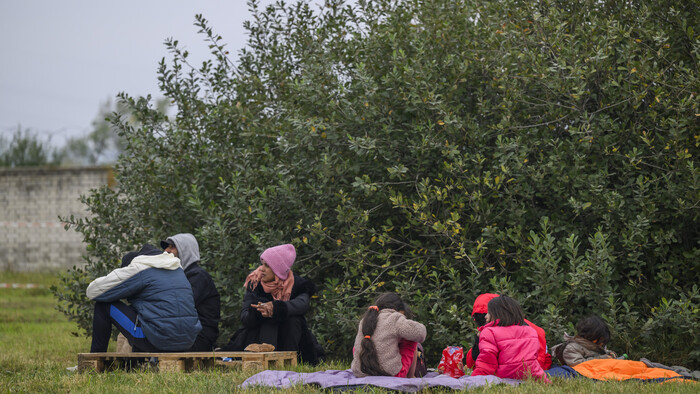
{"points": [[265, 309]]}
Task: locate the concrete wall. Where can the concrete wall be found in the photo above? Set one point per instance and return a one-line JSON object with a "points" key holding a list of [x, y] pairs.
{"points": [[32, 238]]}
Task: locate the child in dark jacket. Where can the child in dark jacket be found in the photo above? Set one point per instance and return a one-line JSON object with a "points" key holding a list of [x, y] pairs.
{"points": [[589, 343], [507, 345]]}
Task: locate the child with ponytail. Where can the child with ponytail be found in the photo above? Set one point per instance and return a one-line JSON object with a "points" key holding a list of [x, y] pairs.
{"points": [[386, 340]]}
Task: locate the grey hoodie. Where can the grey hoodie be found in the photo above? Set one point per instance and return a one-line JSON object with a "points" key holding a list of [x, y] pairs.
{"points": [[187, 248]]}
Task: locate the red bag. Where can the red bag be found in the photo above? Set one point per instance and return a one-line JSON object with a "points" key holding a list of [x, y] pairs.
{"points": [[451, 361]]}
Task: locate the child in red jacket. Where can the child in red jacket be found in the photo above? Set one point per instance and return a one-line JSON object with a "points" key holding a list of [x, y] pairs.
{"points": [[479, 314], [508, 347]]}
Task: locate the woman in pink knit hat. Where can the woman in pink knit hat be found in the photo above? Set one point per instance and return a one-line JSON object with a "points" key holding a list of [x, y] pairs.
{"points": [[274, 306]]}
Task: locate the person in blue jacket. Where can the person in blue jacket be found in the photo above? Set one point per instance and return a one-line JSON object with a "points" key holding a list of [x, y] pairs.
{"points": [[160, 317]]}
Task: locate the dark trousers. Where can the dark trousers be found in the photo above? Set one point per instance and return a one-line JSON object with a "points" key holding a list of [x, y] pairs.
{"points": [[125, 318], [283, 336], [202, 344]]}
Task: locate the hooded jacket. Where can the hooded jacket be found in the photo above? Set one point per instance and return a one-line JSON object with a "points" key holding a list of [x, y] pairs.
{"points": [[206, 298], [158, 290], [481, 306], [508, 352], [187, 248]]}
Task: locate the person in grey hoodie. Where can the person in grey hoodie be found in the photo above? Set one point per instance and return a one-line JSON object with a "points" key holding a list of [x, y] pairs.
{"points": [[206, 298]]}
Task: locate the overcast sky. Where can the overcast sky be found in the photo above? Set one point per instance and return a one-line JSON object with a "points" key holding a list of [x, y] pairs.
{"points": [[60, 61]]}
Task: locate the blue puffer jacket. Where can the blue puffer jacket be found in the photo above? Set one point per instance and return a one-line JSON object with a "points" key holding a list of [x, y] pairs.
{"points": [[157, 288]]}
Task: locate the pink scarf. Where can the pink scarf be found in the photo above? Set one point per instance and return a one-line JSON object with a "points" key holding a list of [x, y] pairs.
{"points": [[281, 290]]}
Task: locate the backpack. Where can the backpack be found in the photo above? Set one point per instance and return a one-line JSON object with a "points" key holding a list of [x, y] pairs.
{"points": [[421, 364]]}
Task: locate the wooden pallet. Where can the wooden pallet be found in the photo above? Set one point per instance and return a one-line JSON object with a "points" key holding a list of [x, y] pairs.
{"points": [[181, 362]]}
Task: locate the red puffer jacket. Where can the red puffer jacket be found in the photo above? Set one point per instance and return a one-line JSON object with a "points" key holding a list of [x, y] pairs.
{"points": [[508, 352], [543, 356]]}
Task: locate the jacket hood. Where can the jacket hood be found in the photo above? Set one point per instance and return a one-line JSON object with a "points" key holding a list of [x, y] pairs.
{"points": [[482, 302], [187, 248], [146, 250], [148, 257], [164, 261], [594, 347]]}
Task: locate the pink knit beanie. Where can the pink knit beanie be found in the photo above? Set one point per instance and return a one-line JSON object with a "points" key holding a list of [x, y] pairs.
{"points": [[280, 258]]}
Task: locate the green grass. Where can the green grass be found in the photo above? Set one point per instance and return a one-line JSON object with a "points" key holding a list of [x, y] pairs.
{"points": [[43, 279], [37, 344]]}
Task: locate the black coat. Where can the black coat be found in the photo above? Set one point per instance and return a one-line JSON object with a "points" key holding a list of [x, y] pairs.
{"points": [[297, 306], [208, 305]]}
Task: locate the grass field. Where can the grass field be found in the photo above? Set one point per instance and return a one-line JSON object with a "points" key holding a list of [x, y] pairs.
{"points": [[37, 345]]}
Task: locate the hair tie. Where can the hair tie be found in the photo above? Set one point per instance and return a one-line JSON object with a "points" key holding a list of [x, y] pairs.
{"points": [[374, 307], [367, 336]]}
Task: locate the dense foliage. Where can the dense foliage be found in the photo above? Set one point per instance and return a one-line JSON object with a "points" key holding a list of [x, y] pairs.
{"points": [[441, 149]]}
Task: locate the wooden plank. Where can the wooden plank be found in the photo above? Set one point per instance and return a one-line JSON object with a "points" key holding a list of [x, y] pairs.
{"points": [[253, 366], [251, 357], [86, 364], [293, 360], [192, 364], [189, 361], [171, 365], [189, 354], [230, 364]]}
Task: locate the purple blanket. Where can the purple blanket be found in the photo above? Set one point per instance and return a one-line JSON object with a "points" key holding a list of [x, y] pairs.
{"points": [[335, 378]]}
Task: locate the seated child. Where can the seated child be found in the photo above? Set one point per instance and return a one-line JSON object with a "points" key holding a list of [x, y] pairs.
{"points": [[507, 345], [588, 344], [479, 314], [386, 340]]}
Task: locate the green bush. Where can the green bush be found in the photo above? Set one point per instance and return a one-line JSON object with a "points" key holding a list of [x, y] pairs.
{"points": [[441, 149]]}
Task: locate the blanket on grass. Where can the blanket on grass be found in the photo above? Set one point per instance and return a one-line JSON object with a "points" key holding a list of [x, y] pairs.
{"points": [[564, 371], [612, 369], [336, 378]]}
